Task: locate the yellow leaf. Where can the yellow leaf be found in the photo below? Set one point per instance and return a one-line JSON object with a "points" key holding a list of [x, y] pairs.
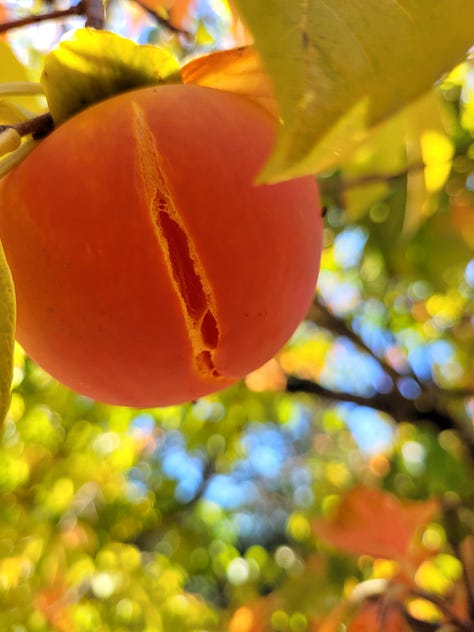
{"points": [[239, 70], [10, 113], [11, 70], [7, 333], [341, 66], [95, 65]]}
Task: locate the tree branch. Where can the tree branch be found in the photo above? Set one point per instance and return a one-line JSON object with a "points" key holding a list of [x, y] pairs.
{"points": [[321, 316], [393, 404], [77, 9], [454, 537], [162, 21], [95, 13], [439, 602]]}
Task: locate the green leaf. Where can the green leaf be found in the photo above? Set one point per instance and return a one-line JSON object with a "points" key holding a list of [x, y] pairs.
{"points": [[341, 66], [95, 65], [7, 333]]}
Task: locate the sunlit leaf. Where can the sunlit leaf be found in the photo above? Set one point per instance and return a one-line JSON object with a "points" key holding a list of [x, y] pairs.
{"points": [[7, 333], [11, 70], [239, 70], [269, 377], [341, 66], [427, 143], [178, 10], [94, 65], [413, 144], [373, 522], [10, 113]]}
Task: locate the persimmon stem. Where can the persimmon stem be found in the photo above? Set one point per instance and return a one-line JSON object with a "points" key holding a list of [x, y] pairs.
{"points": [[38, 126], [77, 9]]}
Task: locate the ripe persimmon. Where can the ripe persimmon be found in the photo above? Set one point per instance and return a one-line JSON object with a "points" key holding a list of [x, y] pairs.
{"points": [[149, 268]]}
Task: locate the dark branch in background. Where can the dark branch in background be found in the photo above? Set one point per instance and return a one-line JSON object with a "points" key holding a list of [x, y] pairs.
{"points": [[77, 9], [454, 536], [93, 10], [393, 404], [39, 126], [95, 13], [162, 21], [439, 602], [429, 405], [321, 316], [147, 539]]}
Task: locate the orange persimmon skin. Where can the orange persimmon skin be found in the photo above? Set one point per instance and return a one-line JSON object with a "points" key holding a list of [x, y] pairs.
{"points": [[149, 269]]}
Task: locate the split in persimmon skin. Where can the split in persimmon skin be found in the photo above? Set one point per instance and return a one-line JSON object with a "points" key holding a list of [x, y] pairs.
{"points": [[149, 269]]}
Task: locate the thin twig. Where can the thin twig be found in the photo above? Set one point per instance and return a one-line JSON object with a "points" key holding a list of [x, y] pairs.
{"points": [[77, 9], [95, 13], [440, 603], [322, 316], [393, 404], [162, 21], [452, 527]]}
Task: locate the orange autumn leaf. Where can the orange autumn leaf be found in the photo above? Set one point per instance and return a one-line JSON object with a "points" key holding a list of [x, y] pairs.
{"points": [[242, 35], [462, 212], [180, 11], [331, 622], [376, 523], [177, 10], [238, 70], [3, 18], [269, 377], [53, 602], [379, 616], [253, 617]]}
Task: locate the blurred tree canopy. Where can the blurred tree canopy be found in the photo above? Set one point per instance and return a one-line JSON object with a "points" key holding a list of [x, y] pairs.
{"points": [[332, 487]]}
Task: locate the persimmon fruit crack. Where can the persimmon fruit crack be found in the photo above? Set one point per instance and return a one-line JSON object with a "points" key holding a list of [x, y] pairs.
{"points": [[149, 267]]}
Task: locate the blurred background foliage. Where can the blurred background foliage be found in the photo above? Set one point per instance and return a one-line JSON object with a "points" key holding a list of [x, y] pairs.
{"points": [[279, 504]]}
